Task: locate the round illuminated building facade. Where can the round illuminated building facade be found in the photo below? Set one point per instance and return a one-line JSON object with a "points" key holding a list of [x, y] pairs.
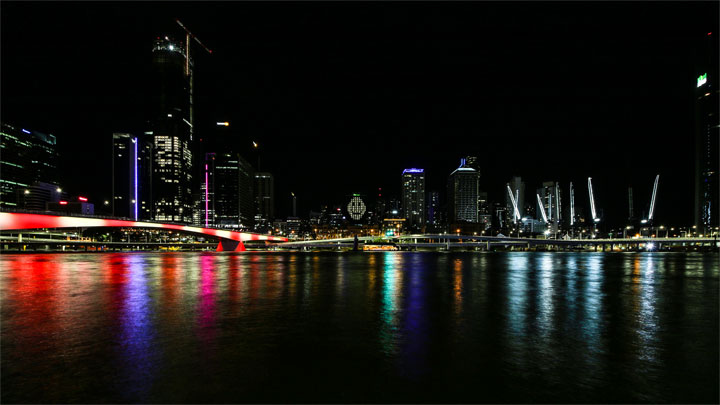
{"points": [[356, 207]]}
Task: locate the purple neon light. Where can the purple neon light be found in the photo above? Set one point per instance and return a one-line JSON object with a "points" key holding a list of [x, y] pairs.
{"points": [[136, 179], [413, 170], [206, 195], [26, 131]]}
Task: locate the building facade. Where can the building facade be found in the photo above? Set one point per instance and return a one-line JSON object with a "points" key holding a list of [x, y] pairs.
{"points": [[264, 190], [26, 157], [463, 193], [132, 176], [434, 212], [227, 192], [707, 137], [550, 204], [171, 128], [413, 199]]}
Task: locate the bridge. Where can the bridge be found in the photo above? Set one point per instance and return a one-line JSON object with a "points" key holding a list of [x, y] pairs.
{"points": [[228, 240], [447, 241]]}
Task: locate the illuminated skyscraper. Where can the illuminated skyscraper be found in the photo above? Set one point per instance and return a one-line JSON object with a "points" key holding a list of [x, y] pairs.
{"points": [[227, 192], [264, 197], [413, 199], [434, 213], [132, 176], [171, 126], [707, 136], [27, 157], [550, 197], [463, 193]]}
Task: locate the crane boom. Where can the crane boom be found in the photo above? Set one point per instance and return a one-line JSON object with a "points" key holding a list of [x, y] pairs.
{"points": [[542, 208], [557, 203], [572, 205], [516, 213], [652, 200], [592, 200], [190, 34]]}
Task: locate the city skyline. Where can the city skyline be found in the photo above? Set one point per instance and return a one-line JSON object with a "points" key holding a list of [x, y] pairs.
{"points": [[453, 94]]}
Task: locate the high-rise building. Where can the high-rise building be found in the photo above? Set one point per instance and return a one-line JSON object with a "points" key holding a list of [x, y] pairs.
{"points": [[26, 157], [132, 176], [707, 138], [413, 199], [264, 197], [171, 126], [551, 204], [434, 211], [463, 192], [227, 192]]}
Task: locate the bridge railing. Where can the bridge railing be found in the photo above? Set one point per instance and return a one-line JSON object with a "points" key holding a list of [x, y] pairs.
{"points": [[74, 214]]}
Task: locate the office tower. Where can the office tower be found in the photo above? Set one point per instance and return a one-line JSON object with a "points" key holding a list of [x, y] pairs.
{"points": [[551, 204], [171, 126], [631, 210], [463, 191], [131, 176], [517, 187], [472, 161], [28, 157], [413, 199], [264, 197], [707, 136], [434, 212], [227, 191]]}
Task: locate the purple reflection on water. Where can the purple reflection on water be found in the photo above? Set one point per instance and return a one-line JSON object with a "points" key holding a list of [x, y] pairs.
{"points": [[415, 328], [137, 330], [206, 313]]}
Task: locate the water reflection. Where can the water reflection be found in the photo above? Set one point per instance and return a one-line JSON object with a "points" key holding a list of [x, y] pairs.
{"points": [[457, 287], [206, 301], [402, 326], [415, 325], [518, 269], [545, 297], [137, 330], [392, 294]]}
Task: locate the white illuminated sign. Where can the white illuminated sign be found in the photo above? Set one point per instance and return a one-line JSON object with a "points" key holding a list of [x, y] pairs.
{"points": [[356, 208], [702, 79]]}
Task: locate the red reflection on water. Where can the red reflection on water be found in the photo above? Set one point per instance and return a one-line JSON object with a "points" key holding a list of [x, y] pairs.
{"points": [[32, 292]]}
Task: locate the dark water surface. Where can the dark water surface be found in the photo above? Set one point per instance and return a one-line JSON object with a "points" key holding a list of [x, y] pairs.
{"points": [[359, 327]]}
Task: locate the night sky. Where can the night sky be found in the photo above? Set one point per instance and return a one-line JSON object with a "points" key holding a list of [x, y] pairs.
{"points": [[342, 96]]}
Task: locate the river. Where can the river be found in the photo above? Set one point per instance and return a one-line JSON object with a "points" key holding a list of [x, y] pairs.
{"points": [[359, 327]]}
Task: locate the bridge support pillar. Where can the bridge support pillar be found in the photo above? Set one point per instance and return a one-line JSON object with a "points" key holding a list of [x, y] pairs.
{"points": [[229, 245]]}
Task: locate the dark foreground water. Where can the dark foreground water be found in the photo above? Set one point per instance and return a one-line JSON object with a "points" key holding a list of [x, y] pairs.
{"points": [[359, 327]]}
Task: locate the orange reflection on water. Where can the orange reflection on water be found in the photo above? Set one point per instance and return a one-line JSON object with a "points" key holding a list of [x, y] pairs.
{"points": [[457, 274]]}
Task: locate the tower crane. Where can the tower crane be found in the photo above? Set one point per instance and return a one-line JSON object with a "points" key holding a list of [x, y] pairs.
{"points": [[188, 35]]}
